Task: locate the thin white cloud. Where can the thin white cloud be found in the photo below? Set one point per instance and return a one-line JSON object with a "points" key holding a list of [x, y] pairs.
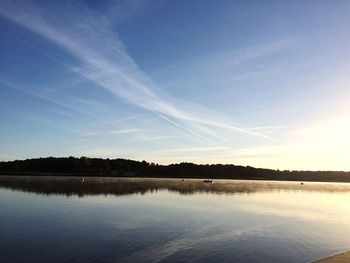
{"points": [[88, 134], [192, 149], [154, 137], [105, 61], [67, 107], [182, 127], [263, 128], [125, 131]]}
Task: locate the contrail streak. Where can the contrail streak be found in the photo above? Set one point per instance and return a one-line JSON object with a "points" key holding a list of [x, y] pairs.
{"points": [[104, 61]]}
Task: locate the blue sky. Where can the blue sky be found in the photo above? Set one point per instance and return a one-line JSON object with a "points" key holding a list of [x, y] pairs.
{"points": [[261, 83]]}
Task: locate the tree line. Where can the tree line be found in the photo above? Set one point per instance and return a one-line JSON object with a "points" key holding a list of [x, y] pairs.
{"points": [[84, 166]]}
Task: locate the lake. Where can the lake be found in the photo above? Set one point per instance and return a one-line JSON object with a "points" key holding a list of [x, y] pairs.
{"points": [[65, 219]]}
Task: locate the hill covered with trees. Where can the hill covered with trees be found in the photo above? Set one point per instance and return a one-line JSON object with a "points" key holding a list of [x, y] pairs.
{"points": [[129, 168]]}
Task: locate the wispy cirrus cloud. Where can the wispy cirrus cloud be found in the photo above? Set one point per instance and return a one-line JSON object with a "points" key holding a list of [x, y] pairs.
{"points": [[125, 131], [68, 108], [103, 59]]}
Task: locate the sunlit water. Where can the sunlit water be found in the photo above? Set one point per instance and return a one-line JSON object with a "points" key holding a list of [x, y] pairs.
{"points": [[203, 223]]}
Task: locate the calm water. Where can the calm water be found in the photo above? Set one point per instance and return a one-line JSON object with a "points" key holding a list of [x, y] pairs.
{"points": [[139, 220]]}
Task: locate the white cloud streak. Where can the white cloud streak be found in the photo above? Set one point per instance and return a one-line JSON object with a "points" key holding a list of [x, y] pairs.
{"points": [[67, 107], [105, 61], [125, 131]]}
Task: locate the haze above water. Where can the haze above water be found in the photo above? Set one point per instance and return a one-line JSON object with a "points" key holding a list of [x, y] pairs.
{"points": [[169, 220]]}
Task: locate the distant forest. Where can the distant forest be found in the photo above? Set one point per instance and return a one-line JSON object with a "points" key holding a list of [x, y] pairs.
{"points": [[129, 168]]}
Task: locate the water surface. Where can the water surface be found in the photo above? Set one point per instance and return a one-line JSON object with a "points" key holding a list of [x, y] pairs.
{"points": [[61, 219]]}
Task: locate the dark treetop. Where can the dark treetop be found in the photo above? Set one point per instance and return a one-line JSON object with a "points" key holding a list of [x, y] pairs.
{"points": [[129, 168]]}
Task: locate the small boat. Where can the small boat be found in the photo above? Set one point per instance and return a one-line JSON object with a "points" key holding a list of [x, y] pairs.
{"points": [[208, 181]]}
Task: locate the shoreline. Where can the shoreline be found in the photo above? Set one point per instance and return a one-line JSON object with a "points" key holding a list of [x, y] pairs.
{"points": [[342, 257], [71, 175], [122, 185]]}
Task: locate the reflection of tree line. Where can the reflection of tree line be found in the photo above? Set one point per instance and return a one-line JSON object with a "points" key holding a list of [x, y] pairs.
{"points": [[121, 167], [124, 186], [119, 186]]}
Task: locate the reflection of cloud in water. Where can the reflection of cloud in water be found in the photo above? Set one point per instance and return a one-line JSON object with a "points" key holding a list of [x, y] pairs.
{"points": [[300, 205], [202, 236], [303, 214]]}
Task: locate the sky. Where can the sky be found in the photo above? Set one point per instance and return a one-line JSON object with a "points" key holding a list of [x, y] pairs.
{"points": [[259, 83]]}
